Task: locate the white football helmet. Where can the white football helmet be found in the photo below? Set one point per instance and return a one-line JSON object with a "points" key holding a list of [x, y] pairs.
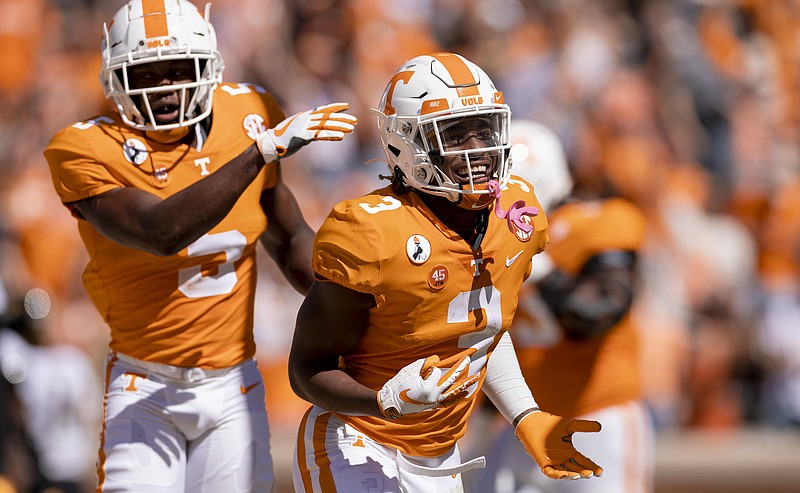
{"points": [[142, 32], [428, 95], [538, 156]]}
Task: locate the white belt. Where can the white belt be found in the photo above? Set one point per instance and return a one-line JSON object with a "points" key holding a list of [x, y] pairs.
{"points": [[437, 472], [185, 373]]}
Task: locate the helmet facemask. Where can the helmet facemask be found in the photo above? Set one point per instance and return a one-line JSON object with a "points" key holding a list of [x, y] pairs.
{"points": [[432, 140], [195, 97]]}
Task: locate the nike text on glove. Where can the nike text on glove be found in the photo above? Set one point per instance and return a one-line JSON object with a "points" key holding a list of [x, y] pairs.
{"points": [[423, 386], [548, 439], [322, 123]]}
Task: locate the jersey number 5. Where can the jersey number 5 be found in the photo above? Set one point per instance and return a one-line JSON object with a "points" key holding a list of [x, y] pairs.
{"points": [[194, 284]]}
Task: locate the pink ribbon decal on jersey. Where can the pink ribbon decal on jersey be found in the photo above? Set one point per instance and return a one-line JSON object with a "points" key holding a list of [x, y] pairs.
{"points": [[514, 213]]}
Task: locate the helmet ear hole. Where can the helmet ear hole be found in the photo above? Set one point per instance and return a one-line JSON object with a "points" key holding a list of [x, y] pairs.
{"points": [[436, 158]]}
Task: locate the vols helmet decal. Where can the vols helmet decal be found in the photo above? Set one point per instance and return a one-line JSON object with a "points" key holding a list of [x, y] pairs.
{"points": [[418, 249], [135, 151]]}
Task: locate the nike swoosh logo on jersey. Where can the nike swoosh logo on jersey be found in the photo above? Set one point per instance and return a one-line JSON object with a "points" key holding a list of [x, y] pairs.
{"points": [[405, 398], [511, 260], [279, 131], [248, 388]]}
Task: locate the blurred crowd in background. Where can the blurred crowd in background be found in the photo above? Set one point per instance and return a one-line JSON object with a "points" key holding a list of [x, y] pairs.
{"points": [[690, 108]]}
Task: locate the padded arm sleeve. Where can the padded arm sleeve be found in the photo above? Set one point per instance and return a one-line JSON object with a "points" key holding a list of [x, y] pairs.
{"points": [[504, 384]]}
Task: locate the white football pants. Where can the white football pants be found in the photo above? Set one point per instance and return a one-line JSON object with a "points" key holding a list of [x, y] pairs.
{"points": [[332, 456], [169, 429]]}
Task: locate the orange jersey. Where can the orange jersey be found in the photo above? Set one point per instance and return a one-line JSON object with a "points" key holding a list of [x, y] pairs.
{"points": [[194, 308], [571, 378], [433, 295], [780, 236]]}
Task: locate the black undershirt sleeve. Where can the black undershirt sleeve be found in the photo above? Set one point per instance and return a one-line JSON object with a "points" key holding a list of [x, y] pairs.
{"points": [[595, 300]]}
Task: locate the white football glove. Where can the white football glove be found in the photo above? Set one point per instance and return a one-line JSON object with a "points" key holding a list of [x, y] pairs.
{"points": [[423, 386], [322, 123]]}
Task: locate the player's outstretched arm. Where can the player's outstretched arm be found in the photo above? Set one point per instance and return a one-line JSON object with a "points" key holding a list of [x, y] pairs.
{"points": [[546, 437], [139, 219]]}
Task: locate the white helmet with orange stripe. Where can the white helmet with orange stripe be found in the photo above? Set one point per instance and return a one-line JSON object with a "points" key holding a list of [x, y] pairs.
{"points": [[422, 117], [539, 156], [148, 31]]}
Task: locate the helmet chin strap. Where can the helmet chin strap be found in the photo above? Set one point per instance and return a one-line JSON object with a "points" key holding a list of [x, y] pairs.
{"points": [[481, 222]]}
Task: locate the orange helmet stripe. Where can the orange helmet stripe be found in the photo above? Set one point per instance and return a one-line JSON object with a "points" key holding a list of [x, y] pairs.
{"points": [[460, 72], [398, 77], [155, 18]]}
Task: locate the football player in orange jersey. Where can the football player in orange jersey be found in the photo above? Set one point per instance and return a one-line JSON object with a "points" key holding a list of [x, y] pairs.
{"points": [[417, 284], [172, 194], [576, 342]]}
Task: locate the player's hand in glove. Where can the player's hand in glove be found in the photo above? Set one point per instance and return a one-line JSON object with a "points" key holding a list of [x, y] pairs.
{"points": [[548, 439], [322, 123], [423, 386]]}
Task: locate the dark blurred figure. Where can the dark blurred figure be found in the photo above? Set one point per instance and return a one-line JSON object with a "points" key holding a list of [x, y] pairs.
{"points": [[778, 338], [19, 463], [19, 467], [48, 430]]}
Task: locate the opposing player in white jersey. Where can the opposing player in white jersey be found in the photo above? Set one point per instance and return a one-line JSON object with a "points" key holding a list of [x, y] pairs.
{"points": [[171, 194], [576, 342], [416, 286]]}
